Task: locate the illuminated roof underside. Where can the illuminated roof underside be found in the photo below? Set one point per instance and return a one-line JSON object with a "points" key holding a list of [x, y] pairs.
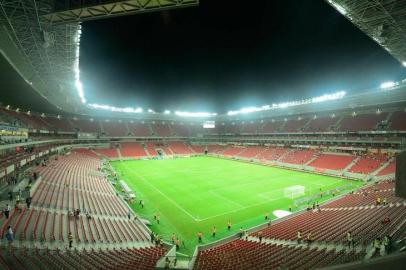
{"points": [[42, 44], [382, 20]]}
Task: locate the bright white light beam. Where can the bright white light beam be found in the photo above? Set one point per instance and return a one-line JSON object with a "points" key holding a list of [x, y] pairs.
{"points": [[115, 109], [195, 114], [386, 85]]}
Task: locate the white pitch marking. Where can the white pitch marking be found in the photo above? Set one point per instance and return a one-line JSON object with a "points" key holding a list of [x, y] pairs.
{"points": [[166, 197]]}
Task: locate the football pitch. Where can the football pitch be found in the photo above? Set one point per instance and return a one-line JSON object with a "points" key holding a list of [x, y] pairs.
{"points": [[194, 194]]}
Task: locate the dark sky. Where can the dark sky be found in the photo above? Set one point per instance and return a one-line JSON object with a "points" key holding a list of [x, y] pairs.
{"points": [[225, 55]]}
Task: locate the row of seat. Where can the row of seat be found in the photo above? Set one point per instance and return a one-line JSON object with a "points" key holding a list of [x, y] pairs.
{"points": [[358, 122], [122, 258], [328, 226]]}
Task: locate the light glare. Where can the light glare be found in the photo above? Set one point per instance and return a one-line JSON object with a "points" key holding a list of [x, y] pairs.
{"points": [[386, 85], [115, 109], [195, 114]]}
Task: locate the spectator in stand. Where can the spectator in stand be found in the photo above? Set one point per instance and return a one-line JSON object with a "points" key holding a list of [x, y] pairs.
{"points": [[299, 237], [350, 240], [10, 196], [9, 235], [384, 202], [309, 238], [260, 236], [28, 202], [70, 239], [241, 233], [387, 243], [7, 211], [377, 245], [129, 214], [378, 201], [386, 220]]}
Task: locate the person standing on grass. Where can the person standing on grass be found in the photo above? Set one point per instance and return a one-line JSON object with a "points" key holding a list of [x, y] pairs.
{"points": [[158, 218], [214, 230], [199, 236], [229, 225], [266, 216], [177, 244], [173, 238], [70, 239], [142, 203], [241, 234], [152, 235]]}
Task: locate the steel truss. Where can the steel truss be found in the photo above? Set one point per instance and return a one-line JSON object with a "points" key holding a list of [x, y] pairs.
{"points": [[382, 20], [83, 10]]}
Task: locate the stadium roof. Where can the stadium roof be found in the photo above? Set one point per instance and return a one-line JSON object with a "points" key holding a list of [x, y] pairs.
{"points": [[382, 20], [41, 41]]}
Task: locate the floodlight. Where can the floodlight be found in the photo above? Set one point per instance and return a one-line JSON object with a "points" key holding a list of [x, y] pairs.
{"points": [[195, 114], [167, 112], [404, 63], [116, 109], [386, 85]]}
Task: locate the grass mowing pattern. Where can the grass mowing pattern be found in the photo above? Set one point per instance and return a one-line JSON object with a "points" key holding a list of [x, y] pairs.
{"points": [[195, 194]]}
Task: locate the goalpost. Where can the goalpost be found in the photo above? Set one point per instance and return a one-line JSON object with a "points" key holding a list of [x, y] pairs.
{"points": [[294, 191]]}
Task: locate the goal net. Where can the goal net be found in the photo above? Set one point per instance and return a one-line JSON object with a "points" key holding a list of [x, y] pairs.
{"points": [[294, 191]]}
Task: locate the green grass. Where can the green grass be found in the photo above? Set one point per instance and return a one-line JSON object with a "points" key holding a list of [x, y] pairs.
{"points": [[195, 194]]}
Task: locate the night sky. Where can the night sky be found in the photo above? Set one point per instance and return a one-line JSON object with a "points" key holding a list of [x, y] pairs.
{"points": [[225, 55]]}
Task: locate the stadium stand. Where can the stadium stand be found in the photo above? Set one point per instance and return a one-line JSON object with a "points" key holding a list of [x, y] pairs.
{"points": [[181, 130], [367, 164], [107, 152], [321, 124], [179, 148], [131, 149], [272, 126], [397, 121], [251, 152], [140, 129], [250, 127], [87, 125], [272, 153], [161, 129], [233, 151], [332, 161], [389, 169], [361, 122], [151, 149], [115, 129], [59, 124], [294, 125], [298, 156], [329, 226]]}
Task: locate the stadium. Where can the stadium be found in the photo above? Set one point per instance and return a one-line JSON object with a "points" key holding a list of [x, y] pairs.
{"points": [[89, 181]]}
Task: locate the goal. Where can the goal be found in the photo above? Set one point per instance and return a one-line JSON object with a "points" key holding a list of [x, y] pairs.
{"points": [[294, 191]]}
